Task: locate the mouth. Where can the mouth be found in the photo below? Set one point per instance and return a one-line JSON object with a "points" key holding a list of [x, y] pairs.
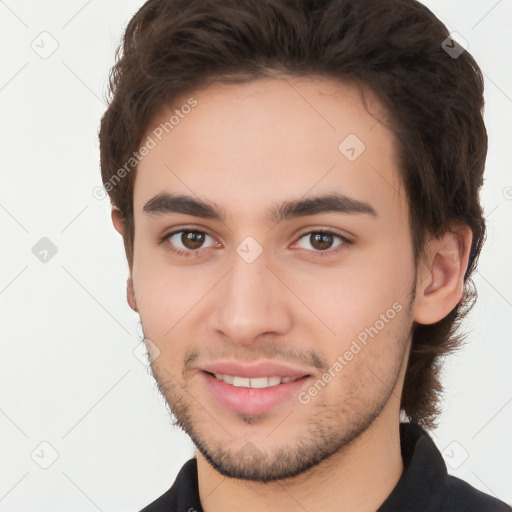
{"points": [[254, 392]]}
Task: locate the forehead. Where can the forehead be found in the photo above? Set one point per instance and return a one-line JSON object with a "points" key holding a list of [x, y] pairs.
{"points": [[252, 144]]}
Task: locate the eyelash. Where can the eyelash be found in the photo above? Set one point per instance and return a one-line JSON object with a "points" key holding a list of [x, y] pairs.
{"points": [[189, 253]]}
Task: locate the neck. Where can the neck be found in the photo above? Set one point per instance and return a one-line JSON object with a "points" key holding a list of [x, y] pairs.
{"points": [[358, 478]]}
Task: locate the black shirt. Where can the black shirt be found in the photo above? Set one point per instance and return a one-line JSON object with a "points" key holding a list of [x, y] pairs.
{"points": [[424, 485]]}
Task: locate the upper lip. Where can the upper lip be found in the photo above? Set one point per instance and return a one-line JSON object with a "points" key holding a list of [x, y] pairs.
{"points": [[254, 370]]}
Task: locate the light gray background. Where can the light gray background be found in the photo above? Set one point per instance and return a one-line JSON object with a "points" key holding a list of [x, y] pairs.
{"points": [[69, 375]]}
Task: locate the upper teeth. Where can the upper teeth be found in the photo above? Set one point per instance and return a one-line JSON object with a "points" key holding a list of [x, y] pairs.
{"points": [[258, 382]]}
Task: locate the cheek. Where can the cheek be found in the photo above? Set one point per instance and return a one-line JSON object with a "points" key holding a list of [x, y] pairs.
{"points": [[364, 299], [154, 293], [167, 296]]}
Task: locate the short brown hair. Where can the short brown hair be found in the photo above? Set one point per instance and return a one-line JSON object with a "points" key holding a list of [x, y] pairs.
{"points": [[397, 48]]}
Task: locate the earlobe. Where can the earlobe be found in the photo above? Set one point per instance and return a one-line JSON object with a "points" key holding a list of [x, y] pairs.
{"points": [[130, 295], [117, 220], [440, 285]]}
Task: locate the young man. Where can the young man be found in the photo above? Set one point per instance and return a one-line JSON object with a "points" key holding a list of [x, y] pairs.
{"points": [[297, 186]]}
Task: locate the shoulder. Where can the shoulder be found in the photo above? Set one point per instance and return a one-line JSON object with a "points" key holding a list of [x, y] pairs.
{"points": [[183, 495], [462, 496], [425, 484]]}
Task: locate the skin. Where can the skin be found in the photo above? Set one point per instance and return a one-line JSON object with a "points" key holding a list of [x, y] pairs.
{"points": [[245, 147]]}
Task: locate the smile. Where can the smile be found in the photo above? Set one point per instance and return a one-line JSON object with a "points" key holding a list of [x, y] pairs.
{"points": [[253, 395], [257, 382]]}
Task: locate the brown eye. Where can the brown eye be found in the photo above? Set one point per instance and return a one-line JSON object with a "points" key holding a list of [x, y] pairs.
{"points": [[187, 241], [192, 239], [322, 241]]}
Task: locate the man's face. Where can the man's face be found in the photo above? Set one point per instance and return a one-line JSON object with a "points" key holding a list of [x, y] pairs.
{"points": [[256, 296]]}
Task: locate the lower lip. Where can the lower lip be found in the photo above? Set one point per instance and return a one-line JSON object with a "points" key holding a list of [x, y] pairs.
{"points": [[252, 400]]}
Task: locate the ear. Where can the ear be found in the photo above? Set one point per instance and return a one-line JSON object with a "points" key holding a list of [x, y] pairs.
{"points": [[130, 295], [440, 283], [117, 220]]}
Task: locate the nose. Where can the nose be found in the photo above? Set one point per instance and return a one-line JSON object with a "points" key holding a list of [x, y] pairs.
{"points": [[251, 301]]}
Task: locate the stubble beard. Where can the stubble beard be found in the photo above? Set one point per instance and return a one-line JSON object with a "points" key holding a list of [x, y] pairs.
{"points": [[329, 430]]}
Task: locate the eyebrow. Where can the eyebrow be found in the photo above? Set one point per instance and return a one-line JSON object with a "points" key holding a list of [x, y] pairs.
{"points": [[165, 203]]}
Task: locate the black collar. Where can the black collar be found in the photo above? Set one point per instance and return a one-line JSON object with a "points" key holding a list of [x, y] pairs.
{"points": [[422, 485]]}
